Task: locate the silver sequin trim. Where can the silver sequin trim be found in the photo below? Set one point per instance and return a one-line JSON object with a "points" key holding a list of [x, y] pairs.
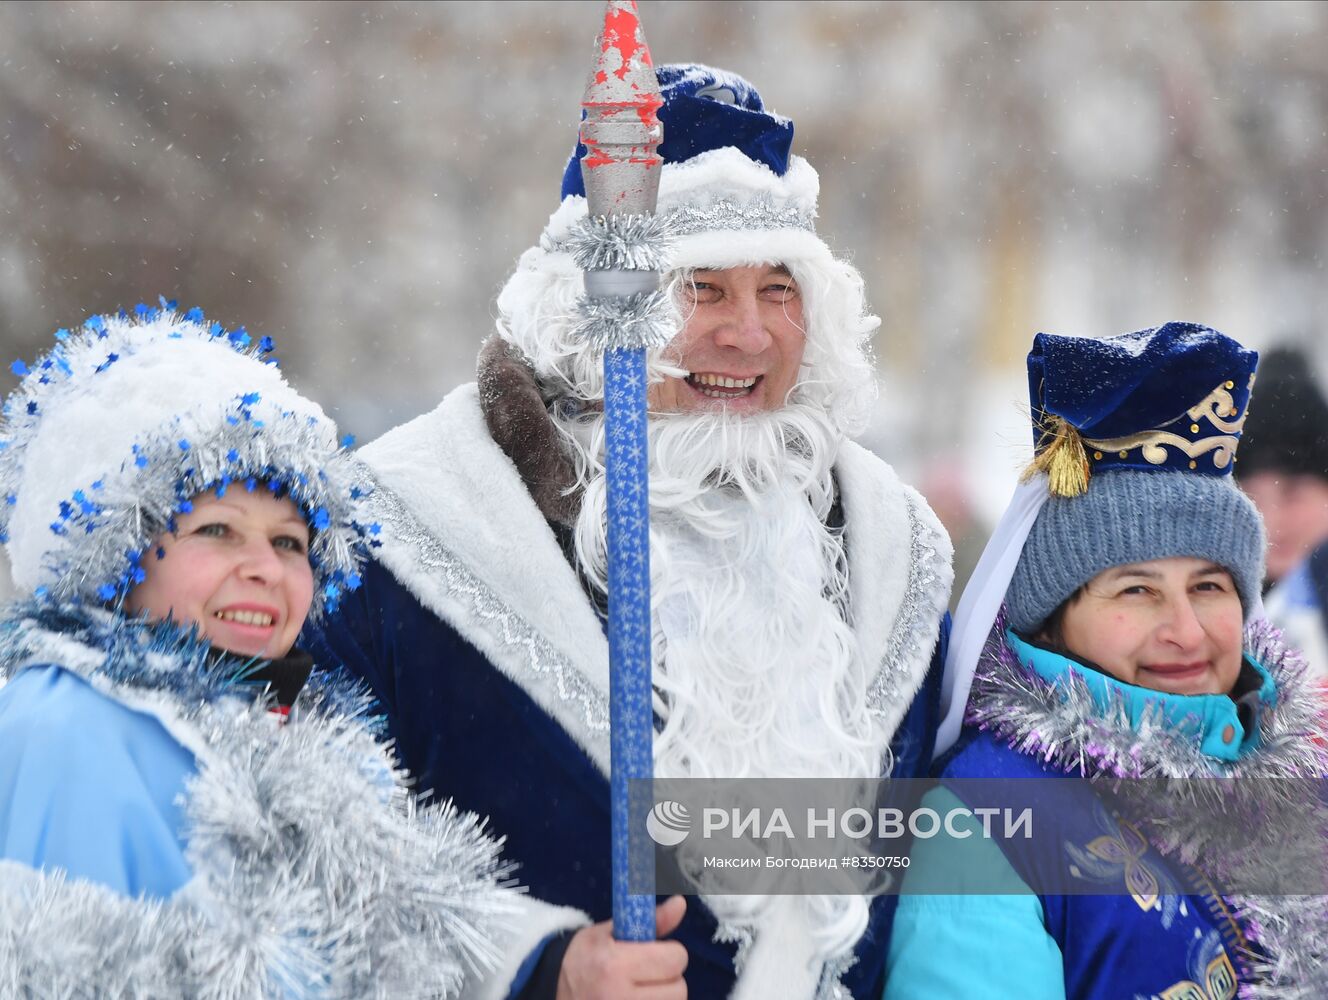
{"points": [[503, 623], [831, 986], [687, 220], [917, 614]]}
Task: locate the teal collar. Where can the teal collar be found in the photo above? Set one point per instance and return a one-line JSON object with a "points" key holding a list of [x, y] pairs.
{"points": [[1213, 721]]}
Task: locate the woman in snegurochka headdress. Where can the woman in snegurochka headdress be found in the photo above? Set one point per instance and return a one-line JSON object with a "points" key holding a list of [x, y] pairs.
{"points": [[173, 510], [1112, 632]]}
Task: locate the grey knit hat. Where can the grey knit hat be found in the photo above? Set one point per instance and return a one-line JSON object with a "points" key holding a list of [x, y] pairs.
{"points": [[1125, 517], [1137, 435]]}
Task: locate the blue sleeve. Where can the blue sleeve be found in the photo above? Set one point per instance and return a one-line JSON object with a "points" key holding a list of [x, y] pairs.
{"points": [[90, 786], [537, 977], [360, 640], [954, 947]]}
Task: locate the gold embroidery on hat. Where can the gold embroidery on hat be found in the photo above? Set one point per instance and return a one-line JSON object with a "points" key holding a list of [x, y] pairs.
{"points": [[1062, 452], [1153, 447], [1217, 404], [1153, 444]]}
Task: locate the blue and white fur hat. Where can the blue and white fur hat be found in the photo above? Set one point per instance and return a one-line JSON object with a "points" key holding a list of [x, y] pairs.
{"points": [[733, 194], [109, 435]]}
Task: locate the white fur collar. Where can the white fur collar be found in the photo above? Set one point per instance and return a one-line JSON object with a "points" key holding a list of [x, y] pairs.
{"points": [[900, 573], [463, 535]]}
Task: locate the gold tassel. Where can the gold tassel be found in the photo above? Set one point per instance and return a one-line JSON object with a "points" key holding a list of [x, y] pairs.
{"points": [[1061, 455]]}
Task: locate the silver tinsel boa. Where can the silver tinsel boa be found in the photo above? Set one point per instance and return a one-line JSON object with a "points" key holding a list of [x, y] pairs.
{"points": [[1184, 805], [316, 872]]}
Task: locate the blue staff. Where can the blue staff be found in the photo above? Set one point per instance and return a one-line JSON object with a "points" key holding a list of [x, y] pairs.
{"points": [[621, 251]]}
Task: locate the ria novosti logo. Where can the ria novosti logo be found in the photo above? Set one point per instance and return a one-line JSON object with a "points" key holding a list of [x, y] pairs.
{"points": [[668, 823]]}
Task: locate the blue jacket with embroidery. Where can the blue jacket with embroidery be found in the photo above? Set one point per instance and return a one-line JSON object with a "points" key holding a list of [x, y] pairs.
{"points": [[477, 636], [1157, 927]]}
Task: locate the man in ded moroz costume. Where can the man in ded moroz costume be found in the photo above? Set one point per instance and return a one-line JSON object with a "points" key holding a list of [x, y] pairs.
{"points": [[797, 586]]}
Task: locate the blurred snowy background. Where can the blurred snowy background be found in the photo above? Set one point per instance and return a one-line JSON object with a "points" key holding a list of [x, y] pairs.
{"points": [[357, 179]]}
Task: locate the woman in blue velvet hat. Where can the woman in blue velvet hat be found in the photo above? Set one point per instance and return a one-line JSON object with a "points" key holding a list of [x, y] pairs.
{"points": [[1113, 633], [185, 810]]}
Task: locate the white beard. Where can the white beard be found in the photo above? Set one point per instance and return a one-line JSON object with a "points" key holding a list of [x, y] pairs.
{"points": [[757, 674]]}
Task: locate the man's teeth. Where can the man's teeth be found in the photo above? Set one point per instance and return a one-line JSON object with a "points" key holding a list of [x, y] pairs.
{"points": [[245, 617], [706, 383], [721, 380]]}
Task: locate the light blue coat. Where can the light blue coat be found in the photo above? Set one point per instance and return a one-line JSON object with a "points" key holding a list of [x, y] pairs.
{"points": [[90, 785]]}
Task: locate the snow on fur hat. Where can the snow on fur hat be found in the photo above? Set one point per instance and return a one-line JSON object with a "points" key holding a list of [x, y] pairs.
{"points": [[733, 195], [1137, 434], [109, 435]]}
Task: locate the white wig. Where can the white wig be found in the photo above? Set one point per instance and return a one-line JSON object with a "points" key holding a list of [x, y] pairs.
{"points": [[728, 211]]}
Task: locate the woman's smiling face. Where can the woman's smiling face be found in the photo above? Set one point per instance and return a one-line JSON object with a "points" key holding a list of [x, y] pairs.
{"points": [[238, 567], [1173, 625]]}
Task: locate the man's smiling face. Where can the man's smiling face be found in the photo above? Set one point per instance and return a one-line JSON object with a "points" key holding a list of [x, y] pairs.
{"points": [[741, 346]]}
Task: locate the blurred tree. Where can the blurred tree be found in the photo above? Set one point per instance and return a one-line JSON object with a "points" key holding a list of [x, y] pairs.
{"points": [[357, 179]]}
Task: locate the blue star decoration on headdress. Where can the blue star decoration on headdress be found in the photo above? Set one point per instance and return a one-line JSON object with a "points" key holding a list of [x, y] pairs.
{"points": [[237, 454]]}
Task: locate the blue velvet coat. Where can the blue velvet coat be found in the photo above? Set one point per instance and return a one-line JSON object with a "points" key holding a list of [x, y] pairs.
{"points": [[491, 664]]}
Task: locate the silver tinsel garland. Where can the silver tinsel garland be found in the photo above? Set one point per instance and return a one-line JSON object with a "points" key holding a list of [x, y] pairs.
{"points": [[625, 323], [761, 214], [1192, 802], [627, 243], [721, 215], [315, 870], [621, 243]]}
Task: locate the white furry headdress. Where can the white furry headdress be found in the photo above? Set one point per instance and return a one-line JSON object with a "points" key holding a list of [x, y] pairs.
{"points": [[109, 435], [732, 195]]}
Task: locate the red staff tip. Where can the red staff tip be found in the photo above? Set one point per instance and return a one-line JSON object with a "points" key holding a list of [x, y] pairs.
{"points": [[624, 72], [621, 130]]}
